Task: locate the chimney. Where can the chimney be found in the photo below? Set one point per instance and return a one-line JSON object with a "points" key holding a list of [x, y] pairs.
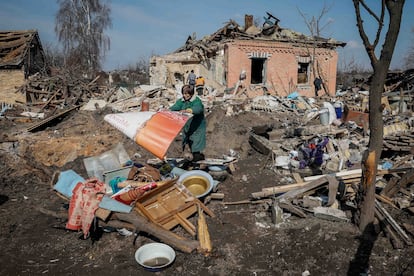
{"points": [[248, 21]]}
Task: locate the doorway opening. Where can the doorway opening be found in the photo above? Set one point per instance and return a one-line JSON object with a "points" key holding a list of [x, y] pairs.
{"points": [[258, 70]]}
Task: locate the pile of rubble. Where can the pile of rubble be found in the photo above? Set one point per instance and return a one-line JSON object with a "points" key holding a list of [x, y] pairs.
{"points": [[316, 148]]}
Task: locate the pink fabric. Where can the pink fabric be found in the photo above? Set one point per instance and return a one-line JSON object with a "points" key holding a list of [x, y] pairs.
{"points": [[83, 204]]}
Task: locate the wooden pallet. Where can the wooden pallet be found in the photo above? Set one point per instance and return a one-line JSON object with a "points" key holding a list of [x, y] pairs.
{"points": [[170, 205]]}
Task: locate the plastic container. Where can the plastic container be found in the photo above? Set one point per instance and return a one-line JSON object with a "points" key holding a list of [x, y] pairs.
{"points": [[93, 167], [121, 154], [109, 161], [324, 116], [338, 110]]}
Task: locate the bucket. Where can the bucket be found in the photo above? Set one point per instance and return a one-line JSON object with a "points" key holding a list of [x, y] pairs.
{"points": [[324, 116], [338, 110], [144, 106]]}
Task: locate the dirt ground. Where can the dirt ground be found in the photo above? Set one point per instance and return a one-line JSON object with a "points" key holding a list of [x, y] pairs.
{"points": [[245, 241]]}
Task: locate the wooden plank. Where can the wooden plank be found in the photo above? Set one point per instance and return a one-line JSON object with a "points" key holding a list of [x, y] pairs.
{"points": [[102, 214], [393, 223], [408, 177], [385, 200], [291, 208], [390, 233], [48, 120], [309, 186], [338, 174], [270, 191], [297, 177]]}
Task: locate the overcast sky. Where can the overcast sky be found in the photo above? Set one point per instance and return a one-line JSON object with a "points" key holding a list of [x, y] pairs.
{"points": [[142, 28]]}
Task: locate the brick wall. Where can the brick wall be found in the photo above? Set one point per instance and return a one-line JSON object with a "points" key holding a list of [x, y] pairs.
{"points": [[10, 80], [281, 65]]}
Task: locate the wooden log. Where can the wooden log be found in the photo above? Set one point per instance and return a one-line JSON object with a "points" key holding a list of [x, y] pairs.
{"points": [[143, 224]]}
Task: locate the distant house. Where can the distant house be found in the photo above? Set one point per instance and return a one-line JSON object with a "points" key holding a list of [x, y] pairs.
{"points": [[267, 59], [21, 55]]}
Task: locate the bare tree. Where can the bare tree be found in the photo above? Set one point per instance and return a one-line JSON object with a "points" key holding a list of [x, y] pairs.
{"points": [[80, 26], [316, 26], [349, 71], [380, 66], [54, 56], [409, 59]]}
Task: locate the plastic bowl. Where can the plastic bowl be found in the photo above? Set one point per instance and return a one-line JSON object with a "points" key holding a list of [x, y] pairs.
{"points": [[155, 256]]}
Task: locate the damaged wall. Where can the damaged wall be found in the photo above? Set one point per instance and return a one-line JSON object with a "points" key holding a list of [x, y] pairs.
{"points": [[21, 56], [10, 80], [172, 70], [276, 65], [253, 60]]}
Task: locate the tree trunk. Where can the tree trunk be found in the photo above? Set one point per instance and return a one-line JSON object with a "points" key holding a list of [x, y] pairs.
{"points": [[366, 194], [371, 157]]}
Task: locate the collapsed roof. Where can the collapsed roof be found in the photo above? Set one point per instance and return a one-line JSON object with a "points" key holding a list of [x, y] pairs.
{"points": [[270, 31], [14, 47]]}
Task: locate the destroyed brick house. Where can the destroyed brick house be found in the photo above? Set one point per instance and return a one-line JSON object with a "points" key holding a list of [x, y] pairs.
{"points": [[254, 60], [21, 55]]}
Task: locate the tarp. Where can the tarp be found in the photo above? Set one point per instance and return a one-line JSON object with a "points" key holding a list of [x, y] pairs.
{"points": [[154, 131]]}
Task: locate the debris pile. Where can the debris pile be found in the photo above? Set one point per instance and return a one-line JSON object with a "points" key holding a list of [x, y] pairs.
{"points": [[313, 147]]}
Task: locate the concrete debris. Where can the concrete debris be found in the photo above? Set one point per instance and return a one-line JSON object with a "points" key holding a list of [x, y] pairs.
{"points": [[330, 214]]}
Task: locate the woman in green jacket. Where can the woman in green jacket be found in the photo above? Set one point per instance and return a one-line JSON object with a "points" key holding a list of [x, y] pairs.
{"points": [[194, 131]]}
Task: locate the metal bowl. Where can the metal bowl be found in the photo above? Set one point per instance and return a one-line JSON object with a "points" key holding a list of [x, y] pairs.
{"points": [[198, 182]]}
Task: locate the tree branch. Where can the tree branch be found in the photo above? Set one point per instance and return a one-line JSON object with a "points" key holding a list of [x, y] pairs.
{"points": [[369, 48]]}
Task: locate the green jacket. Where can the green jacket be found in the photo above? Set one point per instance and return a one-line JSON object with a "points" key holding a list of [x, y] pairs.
{"points": [[194, 131]]}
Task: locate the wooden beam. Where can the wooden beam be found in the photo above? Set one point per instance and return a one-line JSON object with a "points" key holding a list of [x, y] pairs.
{"points": [[145, 225]]}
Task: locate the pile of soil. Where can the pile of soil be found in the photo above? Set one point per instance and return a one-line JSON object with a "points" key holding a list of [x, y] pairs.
{"points": [[245, 241]]}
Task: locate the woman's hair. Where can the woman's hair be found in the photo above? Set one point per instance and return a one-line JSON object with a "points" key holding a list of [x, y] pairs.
{"points": [[187, 89]]}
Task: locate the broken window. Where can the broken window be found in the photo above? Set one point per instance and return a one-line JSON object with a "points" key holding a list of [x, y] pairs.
{"points": [[303, 70], [257, 70]]}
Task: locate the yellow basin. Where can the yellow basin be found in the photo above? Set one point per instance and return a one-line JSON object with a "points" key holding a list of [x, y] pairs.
{"points": [[198, 182]]}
